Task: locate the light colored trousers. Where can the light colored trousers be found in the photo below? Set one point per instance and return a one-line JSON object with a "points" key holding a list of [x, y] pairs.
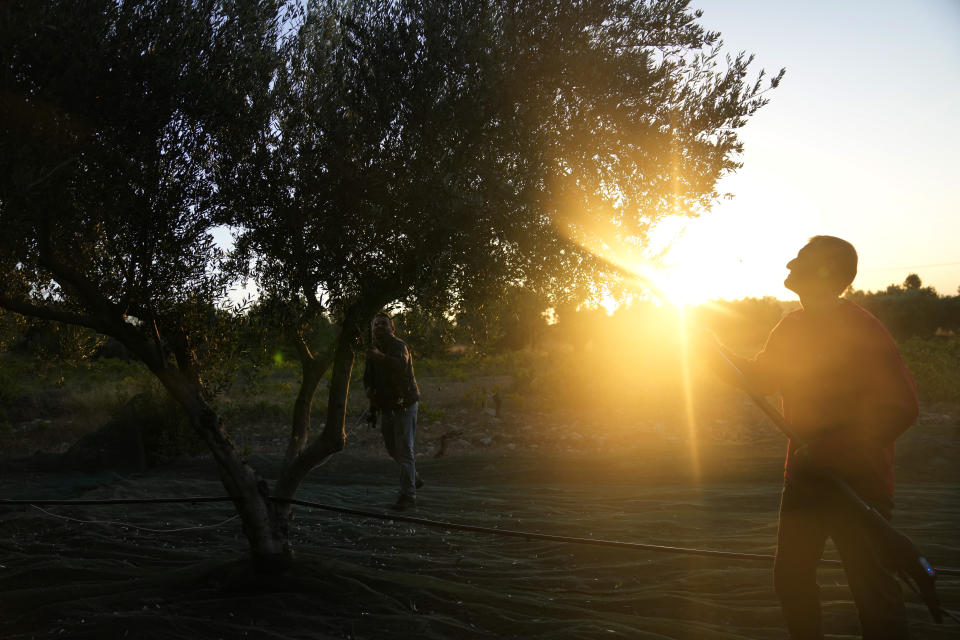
{"points": [[399, 427]]}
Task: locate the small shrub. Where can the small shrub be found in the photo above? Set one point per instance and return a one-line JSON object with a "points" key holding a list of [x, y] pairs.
{"points": [[14, 374], [166, 432], [431, 414], [935, 365], [259, 409]]}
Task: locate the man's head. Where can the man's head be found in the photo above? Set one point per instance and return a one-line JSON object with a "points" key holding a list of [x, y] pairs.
{"points": [[825, 267], [382, 325]]}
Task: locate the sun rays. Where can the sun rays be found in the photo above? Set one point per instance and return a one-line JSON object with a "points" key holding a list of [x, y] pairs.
{"points": [[674, 289]]}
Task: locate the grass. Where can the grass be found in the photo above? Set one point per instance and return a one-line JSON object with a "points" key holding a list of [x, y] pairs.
{"points": [[611, 395], [47, 406]]}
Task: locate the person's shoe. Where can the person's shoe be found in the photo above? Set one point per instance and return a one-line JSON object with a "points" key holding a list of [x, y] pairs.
{"points": [[419, 483], [403, 503]]}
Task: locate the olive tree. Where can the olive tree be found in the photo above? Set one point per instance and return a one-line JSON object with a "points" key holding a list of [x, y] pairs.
{"points": [[422, 153], [117, 116], [432, 155]]}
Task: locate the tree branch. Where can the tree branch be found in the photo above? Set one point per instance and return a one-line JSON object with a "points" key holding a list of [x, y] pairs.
{"points": [[68, 275], [46, 313]]}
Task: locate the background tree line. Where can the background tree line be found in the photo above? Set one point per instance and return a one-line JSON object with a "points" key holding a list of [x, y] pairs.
{"points": [[519, 319], [910, 309]]}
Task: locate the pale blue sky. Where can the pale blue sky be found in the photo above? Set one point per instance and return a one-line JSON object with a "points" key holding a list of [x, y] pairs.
{"points": [[860, 141]]}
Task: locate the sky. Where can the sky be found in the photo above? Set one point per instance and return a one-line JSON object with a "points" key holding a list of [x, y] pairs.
{"points": [[861, 141]]}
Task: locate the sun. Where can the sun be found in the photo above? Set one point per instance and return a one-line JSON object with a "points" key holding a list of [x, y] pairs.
{"points": [[675, 279], [683, 286], [682, 261]]}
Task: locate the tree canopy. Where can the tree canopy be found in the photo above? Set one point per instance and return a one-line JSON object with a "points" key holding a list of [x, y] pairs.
{"points": [[433, 152], [117, 115]]}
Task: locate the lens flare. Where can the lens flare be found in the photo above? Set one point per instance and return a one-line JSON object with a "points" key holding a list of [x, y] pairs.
{"points": [[678, 291], [692, 431]]}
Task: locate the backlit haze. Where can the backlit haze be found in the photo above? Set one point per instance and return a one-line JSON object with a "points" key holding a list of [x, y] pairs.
{"points": [[859, 141]]}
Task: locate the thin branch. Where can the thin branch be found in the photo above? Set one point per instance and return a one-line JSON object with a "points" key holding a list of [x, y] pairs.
{"points": [[50, 173]]}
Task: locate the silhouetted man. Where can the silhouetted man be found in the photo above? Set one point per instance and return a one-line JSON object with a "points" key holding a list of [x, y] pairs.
{"points": [[848, 395], [392, 389]]}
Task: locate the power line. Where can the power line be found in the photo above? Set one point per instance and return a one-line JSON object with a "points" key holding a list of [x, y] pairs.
{"points": [[128, 525], [105, 501]]}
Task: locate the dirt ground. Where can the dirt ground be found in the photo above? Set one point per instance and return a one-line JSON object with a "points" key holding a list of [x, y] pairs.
{"points": [[178, 571]]}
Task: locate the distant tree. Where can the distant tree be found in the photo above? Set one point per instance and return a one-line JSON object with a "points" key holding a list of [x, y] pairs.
{"points": [[12, 327], [909, 310], [512, 321], [952, 320], [579, 325], [522, 320], [51, 341], [742, 324], [427, 334]]}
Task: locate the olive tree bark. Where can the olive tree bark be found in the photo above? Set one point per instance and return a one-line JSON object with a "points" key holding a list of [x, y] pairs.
{"points": [[333, 437], [265, 526], [312, 369]]}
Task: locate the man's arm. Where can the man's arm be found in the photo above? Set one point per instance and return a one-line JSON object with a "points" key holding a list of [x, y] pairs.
{"points": [[396, 359], [761, 373]]}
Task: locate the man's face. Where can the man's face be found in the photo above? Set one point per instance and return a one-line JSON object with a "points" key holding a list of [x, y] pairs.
{"points": [[382, 327], [809, 272]]}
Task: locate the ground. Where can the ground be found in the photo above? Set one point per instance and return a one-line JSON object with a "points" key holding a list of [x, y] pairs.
{"points": [[175, 571]]}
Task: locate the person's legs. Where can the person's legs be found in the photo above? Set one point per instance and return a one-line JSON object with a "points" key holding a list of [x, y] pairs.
{"points": [[388, 427], [404, 436], [801, 537], [876, 591]]}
